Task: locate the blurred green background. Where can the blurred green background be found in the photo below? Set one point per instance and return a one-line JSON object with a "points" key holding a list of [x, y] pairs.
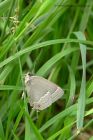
{"points": [[52, 39]]}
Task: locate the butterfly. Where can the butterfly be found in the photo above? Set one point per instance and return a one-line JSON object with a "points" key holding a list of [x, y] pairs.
{"points": [[41, 92]]}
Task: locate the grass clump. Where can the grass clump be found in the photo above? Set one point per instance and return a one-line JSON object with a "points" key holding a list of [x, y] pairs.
{"points": [[52, 39]]}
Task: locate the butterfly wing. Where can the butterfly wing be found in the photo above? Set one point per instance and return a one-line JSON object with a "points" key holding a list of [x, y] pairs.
{"points": [[44, 102], [37, 89], [57, 94]]}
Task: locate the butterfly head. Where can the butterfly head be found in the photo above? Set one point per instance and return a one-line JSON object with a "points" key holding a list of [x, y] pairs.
{"points": [[27, 78]]}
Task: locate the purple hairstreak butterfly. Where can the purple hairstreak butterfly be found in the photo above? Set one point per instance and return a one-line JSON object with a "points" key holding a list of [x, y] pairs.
{"points": [[41, 92]]}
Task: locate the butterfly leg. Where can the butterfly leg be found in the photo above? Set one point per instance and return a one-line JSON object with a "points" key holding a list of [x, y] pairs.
{"points": [[23, 94]]}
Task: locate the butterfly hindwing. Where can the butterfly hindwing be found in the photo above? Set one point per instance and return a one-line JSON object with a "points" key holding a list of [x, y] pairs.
{"points": [[41, 92], [44, 102]]}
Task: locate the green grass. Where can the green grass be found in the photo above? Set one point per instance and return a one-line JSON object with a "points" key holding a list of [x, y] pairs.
{"points": [[52, 39]]}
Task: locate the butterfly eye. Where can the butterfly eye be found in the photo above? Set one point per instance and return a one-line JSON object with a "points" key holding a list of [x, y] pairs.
{"points": [[29, 74]]}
